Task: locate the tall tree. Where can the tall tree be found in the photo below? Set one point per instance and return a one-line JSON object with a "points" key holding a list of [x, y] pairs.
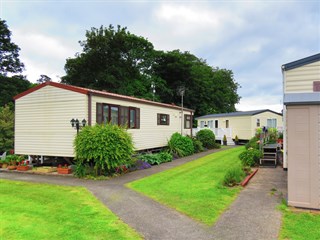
{"points": [[208, 89], [9, 52], [11, 81], [114, 60]]}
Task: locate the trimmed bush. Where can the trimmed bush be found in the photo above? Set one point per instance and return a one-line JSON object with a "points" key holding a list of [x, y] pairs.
{"points": [[207, 138], [250, 157], [233, 176], [105, 147], [180, 146]]}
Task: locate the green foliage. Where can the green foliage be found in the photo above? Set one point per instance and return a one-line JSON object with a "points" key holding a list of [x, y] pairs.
{"points": [[180, 146], [197, 145], [157, 158], [13, 159], [207, 138], [272, 135], [233, 176], [253, 143], [250, 157], [103, 146], [236, 139], [6, 128]]}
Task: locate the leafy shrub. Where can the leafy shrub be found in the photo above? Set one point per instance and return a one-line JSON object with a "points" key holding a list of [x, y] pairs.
{"points": [[197, 144], [253, 143], [233, 176], [157, 158], [105, 147], [180, 146], [207, 138], [82, 170], [250, 157]]}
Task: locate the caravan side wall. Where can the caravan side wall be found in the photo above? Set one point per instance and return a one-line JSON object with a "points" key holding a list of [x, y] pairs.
{"points": [[42, 121], [150, 135]]}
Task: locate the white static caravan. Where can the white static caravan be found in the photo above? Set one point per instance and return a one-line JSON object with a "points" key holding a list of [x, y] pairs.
{"points": [[43, 114], [242, 124], [301, 81]]}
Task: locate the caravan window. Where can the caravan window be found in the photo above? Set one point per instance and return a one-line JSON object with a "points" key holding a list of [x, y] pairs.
{"points": [[272, 123], [163, 119], [119, 115], [187, 121]]}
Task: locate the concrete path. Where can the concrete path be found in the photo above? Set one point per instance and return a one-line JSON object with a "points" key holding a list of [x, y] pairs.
{"points": [[252, 216]]}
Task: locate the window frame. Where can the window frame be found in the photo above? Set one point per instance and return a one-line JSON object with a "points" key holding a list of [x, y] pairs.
{"points": [[187, 120], [159, 117]]}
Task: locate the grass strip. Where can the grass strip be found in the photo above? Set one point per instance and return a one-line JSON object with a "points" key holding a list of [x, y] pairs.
{"points": [[194, 188], [44, 211], [299, 225]]}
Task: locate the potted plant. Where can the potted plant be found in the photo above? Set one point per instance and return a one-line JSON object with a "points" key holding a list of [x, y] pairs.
{"points": [[236, 140], [23, 165], [12, 161], [224, 140], [63, 169]]}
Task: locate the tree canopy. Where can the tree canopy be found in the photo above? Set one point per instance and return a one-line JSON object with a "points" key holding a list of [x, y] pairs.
{"points": [[121, 62], [11, 80], [9, 52]]}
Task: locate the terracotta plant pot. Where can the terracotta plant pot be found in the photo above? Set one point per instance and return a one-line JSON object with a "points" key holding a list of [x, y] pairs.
{"points": [[64, 170], [22, 168], [12, 167]]}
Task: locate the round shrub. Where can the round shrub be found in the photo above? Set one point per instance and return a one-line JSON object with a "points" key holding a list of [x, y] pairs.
{"points": [[207, 138], [250, 157], [104, 146], [180, 146]]}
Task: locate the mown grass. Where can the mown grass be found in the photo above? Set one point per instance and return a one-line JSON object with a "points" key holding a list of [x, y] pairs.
{"points": [[43, 211], [299, 226], [194, 188]]}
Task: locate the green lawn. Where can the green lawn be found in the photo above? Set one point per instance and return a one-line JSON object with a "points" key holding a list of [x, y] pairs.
{"points": [[299, 226], [194, 188], [43, 211]]}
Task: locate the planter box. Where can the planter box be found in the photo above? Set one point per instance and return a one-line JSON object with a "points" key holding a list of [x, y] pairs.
{"points": [[45, 169], [64, 170], [22, 168]]}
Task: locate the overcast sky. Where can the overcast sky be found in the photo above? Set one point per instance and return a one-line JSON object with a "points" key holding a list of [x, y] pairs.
{"points": [[251, 38]]}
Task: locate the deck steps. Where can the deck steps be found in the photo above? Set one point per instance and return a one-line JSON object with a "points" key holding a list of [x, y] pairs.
{"points": [[269, 155]]}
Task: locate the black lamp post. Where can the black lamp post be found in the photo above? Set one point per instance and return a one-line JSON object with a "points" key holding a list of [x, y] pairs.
{"points": [[75, 123]]}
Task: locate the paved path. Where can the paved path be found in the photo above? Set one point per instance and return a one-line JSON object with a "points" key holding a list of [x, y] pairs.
{"points": [[252, 216]]}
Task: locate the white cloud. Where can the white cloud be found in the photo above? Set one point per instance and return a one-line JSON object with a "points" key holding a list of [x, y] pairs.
{"points": [[42, 54], [260, 102]]}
